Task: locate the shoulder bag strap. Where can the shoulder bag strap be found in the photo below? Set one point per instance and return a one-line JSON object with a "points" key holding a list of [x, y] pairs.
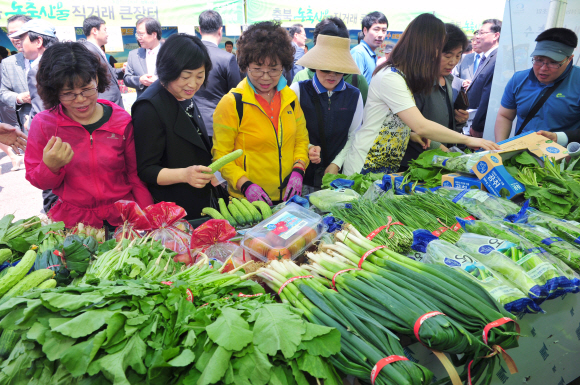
{"points": [[537, 106], [239, 106], [355, 80], [319, 116]]}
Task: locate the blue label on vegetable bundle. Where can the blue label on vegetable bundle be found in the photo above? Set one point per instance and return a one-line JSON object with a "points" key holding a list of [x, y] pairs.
{"points": [[451, 262], [459, 196], [445, 161], [577, 240], [447, 184], [485, 249], [550, 240], [482, 167], [494, 159], [552, 150], [536, 250]]}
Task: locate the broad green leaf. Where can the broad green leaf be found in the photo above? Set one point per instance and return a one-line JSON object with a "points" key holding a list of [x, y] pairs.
{"points": [[278, 376], [36, 331], [254, 367], [84, 324], [55, 345], [313, 365], [70, 302], [325, 345], [313, 331], [185, 358], [230, 330], [278, 329], [299, 376], [216, 367], [114, 325], [114, 366], [78, 358]]}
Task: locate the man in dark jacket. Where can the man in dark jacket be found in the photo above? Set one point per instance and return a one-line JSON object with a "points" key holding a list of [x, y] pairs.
{"points": [[95, 30], [480, 88], [225, 73]]}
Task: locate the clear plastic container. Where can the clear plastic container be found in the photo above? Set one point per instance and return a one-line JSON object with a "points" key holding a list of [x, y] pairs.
{"points": [[285, 235]]}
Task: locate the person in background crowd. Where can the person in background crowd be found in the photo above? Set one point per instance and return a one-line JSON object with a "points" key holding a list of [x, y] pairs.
{"points": [[468, 50], [360, 36], [224, 74], [82, 147], [468, 64], [374, 28], [173, 149], [305, 49], [40, 36], [4, 53], [13, 87], [262, 117], [553, 70], [95, 30], [229, 46], [141, 71], [479, 89], [327, 102], [437, 105], [298, 35], [391, 117], [334, 26], [112, 61]]}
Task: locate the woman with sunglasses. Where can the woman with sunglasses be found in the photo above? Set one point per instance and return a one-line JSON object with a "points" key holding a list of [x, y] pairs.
{"points": [[81, 147], [262, 117], [328, 102]]}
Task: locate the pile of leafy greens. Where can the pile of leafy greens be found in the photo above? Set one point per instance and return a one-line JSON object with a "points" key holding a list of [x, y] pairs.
{"points": [[422, 169], [134, 332], [361, 182], [22, 234]]}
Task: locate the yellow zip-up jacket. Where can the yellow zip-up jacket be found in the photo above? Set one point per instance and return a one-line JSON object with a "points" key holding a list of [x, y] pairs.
{"points": [[268, 157]]}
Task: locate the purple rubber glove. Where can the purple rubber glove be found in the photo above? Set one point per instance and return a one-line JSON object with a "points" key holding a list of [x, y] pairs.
{"points": [[294, 185], [253, 193]]}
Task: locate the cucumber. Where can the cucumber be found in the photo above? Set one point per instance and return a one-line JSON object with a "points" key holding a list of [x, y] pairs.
{"points": [[8, 341], [16, 273], [243, 210], [254, 211], [264, 208], [31, 280], [5, 255], [212, 213], [236, 214], [48, 284], [226, 214], [219, 163]]}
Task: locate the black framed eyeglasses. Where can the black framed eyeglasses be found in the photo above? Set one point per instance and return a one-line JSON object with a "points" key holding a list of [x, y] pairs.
{"points": [[68, 96]]}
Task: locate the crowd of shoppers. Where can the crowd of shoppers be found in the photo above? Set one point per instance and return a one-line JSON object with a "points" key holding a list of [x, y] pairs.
{"points": [[344, 111]]}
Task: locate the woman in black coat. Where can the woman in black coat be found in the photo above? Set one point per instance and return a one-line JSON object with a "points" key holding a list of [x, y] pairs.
{"points": [[171, 142]]}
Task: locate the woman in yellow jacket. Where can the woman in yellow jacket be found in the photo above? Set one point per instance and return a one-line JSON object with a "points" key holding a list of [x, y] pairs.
{"points": [[262, 117]]}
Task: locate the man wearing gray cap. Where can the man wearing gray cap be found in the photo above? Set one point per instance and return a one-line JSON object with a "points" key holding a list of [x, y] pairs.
{"points": [[35, 36], [546, 98]]}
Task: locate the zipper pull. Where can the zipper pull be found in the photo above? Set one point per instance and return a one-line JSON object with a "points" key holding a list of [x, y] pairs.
{"points": [[329, 104], [91, 135]]}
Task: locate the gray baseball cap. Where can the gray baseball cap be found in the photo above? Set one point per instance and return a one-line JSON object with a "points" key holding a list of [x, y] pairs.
{"points": [[41, 27], [554, 50]]}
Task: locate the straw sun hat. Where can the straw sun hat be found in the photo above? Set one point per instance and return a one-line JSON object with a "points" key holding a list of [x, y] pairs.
{"points": [[331, 53]]}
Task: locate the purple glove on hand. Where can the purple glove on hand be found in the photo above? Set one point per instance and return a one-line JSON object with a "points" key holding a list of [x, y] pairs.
{"points": [[294, 185], [253, 193]]}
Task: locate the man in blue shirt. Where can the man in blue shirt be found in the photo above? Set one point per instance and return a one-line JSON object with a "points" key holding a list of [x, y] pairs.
{"points": [[374, 28], [559, 117]]}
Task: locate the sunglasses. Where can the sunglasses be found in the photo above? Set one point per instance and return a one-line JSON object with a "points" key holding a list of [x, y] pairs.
{"points": [[327, 72]]}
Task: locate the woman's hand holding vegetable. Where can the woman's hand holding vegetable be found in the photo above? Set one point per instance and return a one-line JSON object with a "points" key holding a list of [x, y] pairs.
{"points": [[57, 154], [332, 169], [314, 154], [198, 176], [254, 193]]}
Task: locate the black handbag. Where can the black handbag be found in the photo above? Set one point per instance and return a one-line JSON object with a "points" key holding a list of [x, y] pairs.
{"points": [[462, 101]]}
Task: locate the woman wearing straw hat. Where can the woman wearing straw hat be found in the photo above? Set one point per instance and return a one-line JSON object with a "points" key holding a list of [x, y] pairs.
{"points": [[333, 108], [262, 117]]}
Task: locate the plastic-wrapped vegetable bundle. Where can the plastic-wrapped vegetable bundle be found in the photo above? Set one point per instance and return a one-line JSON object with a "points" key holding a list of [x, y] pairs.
{"points": [[480, 204], [555, 245], [463, 163], [526, 253], [567, 230], [511, 262], [439, 252]]}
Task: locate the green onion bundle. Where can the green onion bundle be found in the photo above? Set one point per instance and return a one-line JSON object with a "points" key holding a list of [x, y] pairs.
{"points": [[443, 209]]}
